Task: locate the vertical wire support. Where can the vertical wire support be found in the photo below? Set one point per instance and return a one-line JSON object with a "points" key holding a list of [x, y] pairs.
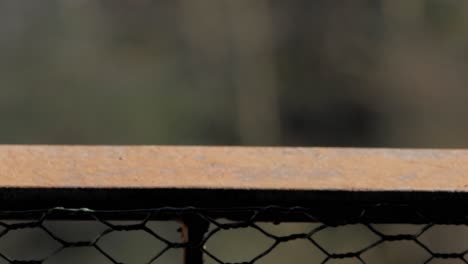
{"points": [[194, 230]]}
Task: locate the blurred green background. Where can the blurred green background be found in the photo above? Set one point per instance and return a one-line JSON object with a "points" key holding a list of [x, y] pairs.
{"points": [[387, 73]]}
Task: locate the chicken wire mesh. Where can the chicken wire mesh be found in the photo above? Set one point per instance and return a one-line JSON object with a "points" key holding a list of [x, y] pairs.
{"points": [[268, 234]]}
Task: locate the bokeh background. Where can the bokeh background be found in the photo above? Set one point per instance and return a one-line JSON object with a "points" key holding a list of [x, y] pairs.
{"points": [[384, 73], [374, 73]]}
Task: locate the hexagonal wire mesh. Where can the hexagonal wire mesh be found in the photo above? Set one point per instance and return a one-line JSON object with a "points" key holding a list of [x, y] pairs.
{"points": [[263, 235]]}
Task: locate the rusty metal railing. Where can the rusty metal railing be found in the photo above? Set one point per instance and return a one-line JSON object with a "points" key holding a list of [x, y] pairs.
{"points": [[210, 191]]}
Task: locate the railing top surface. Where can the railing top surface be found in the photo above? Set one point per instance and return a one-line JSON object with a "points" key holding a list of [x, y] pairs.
{"points": [[265, 168]]}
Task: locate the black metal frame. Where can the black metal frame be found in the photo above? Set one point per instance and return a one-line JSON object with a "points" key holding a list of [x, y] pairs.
{"points": [[331, 207]]}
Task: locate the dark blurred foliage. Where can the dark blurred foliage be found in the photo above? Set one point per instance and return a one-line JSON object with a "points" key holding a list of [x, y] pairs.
{"points": [[222, 72]]}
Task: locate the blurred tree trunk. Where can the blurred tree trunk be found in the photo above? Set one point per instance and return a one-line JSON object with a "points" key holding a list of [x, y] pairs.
{"points": [[204, 27], [255, 73], [231, 44]]}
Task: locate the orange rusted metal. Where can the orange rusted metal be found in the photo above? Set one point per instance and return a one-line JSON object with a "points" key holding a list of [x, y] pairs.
{"points": [[233, 168]]}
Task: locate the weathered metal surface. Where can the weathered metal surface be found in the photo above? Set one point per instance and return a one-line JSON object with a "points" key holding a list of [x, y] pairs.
{"points": [[233, 168]]}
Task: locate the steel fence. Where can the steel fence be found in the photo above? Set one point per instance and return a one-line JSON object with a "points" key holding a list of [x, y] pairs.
{"points": [[61, 217]]}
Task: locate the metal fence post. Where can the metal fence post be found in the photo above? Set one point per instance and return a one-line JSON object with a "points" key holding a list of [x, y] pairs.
{"points": [[195, 229]]}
